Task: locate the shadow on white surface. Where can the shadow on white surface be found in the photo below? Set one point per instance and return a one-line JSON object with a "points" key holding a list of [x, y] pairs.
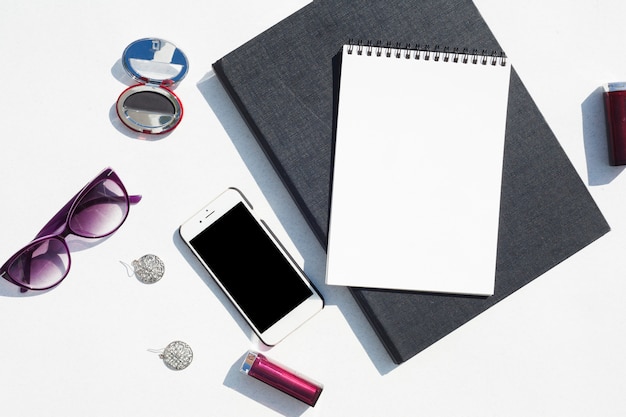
{"points": [[599, 172], [282, 205]]}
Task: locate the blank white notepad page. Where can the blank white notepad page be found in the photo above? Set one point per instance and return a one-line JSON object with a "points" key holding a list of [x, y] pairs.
{"points": [[417, 172]]}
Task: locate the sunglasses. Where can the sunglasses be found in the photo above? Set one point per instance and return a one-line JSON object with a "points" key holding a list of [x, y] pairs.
{"points": [[98, 210]]}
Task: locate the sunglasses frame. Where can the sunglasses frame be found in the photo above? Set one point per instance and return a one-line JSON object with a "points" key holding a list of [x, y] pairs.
{"points": [[58, 228]]}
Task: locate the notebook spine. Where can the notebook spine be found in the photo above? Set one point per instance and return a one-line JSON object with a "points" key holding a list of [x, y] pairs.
{"points": [[425, 52]]}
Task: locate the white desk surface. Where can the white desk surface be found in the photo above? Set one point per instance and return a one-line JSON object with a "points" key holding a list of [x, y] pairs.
{"points": [[554, 348]]}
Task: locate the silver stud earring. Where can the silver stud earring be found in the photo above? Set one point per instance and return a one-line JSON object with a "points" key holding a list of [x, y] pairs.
{"points": [[176, 356]]}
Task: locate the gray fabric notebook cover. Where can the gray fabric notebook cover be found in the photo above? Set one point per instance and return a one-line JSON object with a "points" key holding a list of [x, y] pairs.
{"points": [[283, 83]]}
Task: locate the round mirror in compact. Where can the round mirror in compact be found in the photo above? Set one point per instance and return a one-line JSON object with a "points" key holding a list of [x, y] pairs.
{"points": [[151, 106]]}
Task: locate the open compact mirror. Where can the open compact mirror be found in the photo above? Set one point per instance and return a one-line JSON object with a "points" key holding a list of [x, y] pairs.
{"points": [[151, 106]]}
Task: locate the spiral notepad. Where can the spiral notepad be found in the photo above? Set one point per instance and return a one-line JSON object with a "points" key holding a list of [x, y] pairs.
{"points": [[417, 168]]}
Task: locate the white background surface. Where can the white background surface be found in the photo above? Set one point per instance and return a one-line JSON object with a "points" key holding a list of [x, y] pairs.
{"points": [[554, 348]]}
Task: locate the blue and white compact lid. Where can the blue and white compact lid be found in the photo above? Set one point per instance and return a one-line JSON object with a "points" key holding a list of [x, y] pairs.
{"points": [[155, 61]]}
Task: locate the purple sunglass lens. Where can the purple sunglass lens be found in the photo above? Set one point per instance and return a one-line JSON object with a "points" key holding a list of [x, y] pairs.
{"points": [[101, 211], [40, 265]]}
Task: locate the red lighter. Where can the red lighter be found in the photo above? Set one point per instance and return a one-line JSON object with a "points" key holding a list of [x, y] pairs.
{"points": [[258, 366], [615, 109]]}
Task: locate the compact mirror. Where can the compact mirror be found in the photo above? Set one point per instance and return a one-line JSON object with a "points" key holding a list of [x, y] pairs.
{"points": [[151, 106]]}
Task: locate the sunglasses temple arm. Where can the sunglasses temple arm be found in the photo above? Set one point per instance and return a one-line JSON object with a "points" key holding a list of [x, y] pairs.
{"points": [[134, 199]]}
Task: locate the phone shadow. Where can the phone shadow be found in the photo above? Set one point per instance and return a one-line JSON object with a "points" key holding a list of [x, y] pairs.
{"points": [[294, 223]]}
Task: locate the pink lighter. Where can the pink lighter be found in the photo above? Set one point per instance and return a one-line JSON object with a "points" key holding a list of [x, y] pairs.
{"points": [[615, 109], [260, 367]]}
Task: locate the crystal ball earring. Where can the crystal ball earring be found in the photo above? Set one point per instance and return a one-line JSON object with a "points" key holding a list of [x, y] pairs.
{"points": [[148, 269], [176, 356]]}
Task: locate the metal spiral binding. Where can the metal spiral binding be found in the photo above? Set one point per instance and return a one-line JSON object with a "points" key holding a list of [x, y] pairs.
{"points": [[426, 53]]}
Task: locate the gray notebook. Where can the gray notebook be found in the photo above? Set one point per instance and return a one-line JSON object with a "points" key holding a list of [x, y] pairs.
{"points": [[284, 82]]}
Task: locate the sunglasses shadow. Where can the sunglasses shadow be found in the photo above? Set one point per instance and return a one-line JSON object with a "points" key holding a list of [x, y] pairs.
{"points": [[8, 289]]}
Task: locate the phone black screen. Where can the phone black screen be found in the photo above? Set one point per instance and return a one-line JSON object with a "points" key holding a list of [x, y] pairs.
{"points": [[250, 267]]}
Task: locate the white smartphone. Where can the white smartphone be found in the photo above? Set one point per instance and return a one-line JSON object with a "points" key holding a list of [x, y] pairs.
{"points": [[251, 266]]}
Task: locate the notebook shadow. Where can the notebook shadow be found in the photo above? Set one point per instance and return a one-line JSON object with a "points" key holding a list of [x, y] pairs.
{"points": [[307, 245], [599, 172]]}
